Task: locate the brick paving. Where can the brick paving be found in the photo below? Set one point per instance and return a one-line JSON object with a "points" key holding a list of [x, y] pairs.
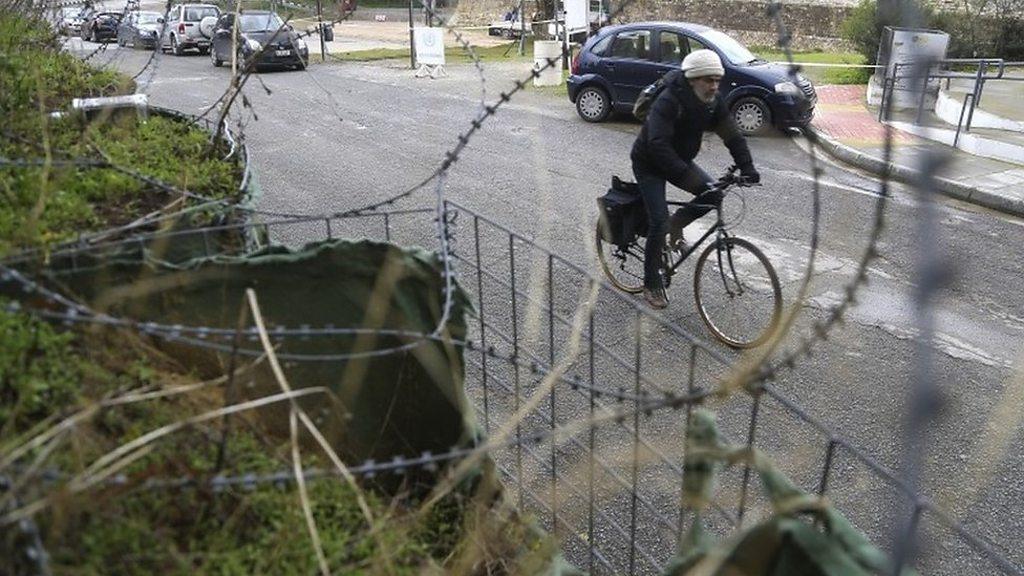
{"points": [[842, 114]]}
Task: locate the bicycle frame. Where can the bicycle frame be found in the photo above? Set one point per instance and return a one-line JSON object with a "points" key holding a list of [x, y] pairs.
{"points": [[717, 228]]}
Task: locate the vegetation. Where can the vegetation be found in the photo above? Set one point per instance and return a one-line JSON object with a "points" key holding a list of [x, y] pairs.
{"points": [[985, 28], [506, 52], [55, 196], [822, 75], [47, 376]]}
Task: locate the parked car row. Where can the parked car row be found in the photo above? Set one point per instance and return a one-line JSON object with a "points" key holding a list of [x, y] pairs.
{"points": [[617, 63], [203, 28]]}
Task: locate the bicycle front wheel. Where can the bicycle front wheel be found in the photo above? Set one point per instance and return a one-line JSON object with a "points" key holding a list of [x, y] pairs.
{"points": [[737, 292], [623, 267]]}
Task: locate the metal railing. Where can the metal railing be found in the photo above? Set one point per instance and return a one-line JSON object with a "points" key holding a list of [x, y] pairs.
{"points": [[949, 69]]}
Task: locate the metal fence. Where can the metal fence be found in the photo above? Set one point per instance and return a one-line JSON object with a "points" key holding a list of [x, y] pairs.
{"points": [[612, 493], [586, 397]]}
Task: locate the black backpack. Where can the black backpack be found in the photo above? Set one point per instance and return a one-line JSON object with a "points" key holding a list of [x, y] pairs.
{"points": [[622, 214], [647, 97]]}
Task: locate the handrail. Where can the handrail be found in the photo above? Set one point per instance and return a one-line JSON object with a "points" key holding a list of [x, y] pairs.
{"points": [[986, 69]]}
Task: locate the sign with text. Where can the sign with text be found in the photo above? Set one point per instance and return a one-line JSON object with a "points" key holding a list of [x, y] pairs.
{"points": [[429, 43]]}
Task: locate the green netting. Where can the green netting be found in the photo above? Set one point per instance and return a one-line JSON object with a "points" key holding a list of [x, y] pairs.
{"points": [[805, 536], [398, 404]]}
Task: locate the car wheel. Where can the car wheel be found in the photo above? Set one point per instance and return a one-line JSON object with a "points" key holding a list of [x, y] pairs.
{"points": [[752, 115], [217, 62], [175, 47], [204, 51], [593, 104]]}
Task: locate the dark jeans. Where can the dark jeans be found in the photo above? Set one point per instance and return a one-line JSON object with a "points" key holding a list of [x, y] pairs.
{"points": [[652, 188]]}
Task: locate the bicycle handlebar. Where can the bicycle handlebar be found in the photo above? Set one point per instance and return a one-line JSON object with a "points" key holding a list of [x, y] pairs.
{"points": [[730, 178]]}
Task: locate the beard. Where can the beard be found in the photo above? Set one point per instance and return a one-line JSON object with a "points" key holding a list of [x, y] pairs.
{"points": [[706, 97]]}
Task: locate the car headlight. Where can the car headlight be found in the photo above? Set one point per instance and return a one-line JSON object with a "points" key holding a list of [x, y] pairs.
{"points": [[300, 43], [253, 45], [787, 88]]}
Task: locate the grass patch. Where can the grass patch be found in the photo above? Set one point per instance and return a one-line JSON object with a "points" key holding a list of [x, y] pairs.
{"points": [[52, 203], [506, 52], [822, 75], [47, 376]]}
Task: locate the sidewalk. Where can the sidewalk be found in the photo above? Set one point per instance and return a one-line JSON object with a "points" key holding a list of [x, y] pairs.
{"points": [[852, 133]]}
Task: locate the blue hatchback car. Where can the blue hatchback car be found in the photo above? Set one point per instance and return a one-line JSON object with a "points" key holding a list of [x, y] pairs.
{"points": [[617, 63]]}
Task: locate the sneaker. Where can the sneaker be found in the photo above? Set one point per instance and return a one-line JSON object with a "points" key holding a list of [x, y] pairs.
{"points": [[656, 298], [675, 232]]}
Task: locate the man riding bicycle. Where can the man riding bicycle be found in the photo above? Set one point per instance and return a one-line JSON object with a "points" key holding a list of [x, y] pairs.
{"points": [[664, 151]]}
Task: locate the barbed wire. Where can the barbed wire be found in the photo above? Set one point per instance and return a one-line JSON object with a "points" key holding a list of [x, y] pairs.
{"points": [[769, 367], [203, 337]]}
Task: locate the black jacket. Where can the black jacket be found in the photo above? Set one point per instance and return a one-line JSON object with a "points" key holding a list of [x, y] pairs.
{"points": [[671, 136]]}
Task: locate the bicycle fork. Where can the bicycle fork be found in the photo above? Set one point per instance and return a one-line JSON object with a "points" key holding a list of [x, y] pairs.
{"points": [[721, 245]]}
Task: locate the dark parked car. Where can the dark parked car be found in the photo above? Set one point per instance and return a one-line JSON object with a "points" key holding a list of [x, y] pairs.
{"points": [[262, 35], [100, 26], [620, 61], [140, 30]]}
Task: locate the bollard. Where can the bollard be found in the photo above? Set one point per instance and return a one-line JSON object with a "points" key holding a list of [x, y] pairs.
{"points": [[542, 51]]}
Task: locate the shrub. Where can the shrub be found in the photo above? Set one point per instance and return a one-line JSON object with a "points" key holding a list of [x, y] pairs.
{"points": [[984, 29], [864, 26]]}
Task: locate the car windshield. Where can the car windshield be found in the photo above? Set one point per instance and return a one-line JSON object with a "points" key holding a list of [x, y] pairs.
{"points": [[261, 22], [149, 17], [733, 50], [197, 14]]}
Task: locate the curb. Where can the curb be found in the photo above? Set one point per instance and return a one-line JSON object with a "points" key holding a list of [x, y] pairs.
{"points": [[945, 186]]}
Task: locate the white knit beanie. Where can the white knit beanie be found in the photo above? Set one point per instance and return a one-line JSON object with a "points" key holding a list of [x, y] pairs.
{"points": [[702, 63]]}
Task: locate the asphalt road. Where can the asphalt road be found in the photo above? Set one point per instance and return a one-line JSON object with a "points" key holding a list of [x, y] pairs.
{"points": [[343, 135]]}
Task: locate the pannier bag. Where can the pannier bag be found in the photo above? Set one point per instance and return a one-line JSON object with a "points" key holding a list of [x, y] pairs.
{"points": [[623, 217]]}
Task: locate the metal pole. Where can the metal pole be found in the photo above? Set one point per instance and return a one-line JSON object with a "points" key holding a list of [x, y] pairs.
{"points": [[320, 28], [522, 27], [565, 38], [412, 47]]}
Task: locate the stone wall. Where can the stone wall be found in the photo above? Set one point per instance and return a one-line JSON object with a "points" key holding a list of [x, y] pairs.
{"points": [[812, 24], [482, 12]]}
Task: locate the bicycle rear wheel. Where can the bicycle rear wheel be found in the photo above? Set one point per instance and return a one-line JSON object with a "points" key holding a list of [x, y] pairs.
{"points": [[624, 268], [737, 292]]}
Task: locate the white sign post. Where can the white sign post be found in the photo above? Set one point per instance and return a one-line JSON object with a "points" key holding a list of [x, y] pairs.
{"points": [[429, 43]]}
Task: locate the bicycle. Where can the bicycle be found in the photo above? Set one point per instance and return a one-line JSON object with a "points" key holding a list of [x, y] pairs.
{"points": [[737, 293]]}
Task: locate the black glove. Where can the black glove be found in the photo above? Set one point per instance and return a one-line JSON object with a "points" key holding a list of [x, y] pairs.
{"points": [[749, 174]]}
